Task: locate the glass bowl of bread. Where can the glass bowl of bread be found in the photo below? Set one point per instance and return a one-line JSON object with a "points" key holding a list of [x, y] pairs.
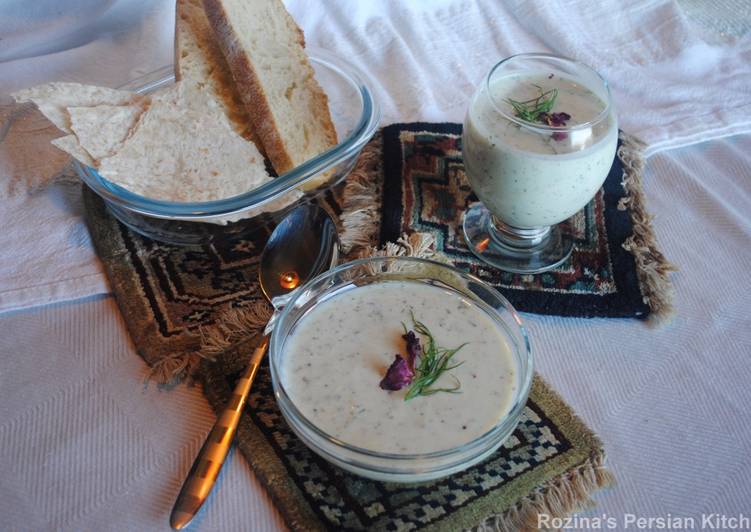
{"points": [[354, 114], [246, 125]]}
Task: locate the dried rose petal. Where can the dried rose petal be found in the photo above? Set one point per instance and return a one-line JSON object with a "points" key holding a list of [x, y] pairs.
{"points": [[398, 375], [559, 119], [554, 119], [414, 349]]}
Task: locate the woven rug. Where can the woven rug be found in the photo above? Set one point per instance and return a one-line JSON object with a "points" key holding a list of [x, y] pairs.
{"points": [[615, 269], [197, 311]]}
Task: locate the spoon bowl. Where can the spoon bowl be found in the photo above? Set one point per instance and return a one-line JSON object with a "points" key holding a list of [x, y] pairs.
{"points": [[303, 245]]}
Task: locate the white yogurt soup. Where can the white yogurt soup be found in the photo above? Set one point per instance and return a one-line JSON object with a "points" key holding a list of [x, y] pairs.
{"points": [[530, 177], [336, 355]]}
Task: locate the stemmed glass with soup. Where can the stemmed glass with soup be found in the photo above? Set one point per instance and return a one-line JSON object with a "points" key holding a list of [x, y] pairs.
{"points": [[539, 139]]}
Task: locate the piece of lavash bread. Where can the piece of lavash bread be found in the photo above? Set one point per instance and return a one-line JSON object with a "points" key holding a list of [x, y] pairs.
{"points": [[199, 60], [54, 99], [102, 129], [70, 145], [181, 141], [265, 51]]}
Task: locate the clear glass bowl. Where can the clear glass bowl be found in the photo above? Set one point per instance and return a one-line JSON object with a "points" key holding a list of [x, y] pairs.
{"points": [[355, 114], [388, 466]]}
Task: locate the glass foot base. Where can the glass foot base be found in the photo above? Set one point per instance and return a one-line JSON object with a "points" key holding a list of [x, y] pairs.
{"points": [[514, 250]]}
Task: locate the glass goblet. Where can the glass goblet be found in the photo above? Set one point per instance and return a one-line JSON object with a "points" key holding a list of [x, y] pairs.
{"points": [[539, 139]]}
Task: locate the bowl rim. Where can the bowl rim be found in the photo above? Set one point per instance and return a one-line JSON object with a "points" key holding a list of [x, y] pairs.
{"points": [[481, 442], [354, 142], [601, 116]]}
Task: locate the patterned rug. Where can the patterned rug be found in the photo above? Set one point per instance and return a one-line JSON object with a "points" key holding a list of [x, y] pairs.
{"points": [[609, 273], [173, 298]]}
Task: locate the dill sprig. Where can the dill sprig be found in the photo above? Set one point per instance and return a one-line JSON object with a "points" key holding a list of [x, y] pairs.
{"points": [[531, 110], [434, 362]]}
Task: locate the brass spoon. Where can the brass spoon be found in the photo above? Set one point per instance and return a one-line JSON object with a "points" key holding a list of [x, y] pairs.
{"points": [[303, 245]]}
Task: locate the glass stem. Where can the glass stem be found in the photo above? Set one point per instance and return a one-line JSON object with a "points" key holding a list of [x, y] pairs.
{"points": [[517, 237]]}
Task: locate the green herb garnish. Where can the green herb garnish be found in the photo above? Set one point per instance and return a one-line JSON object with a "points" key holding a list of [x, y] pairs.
{"points": [[532, 110], [434, 362]]}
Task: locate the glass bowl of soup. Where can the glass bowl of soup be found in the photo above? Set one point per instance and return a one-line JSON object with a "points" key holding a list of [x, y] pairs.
{"points": [[336, 340]]}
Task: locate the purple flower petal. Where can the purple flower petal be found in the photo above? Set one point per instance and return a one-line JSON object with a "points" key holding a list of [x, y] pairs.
{"points": [[398, 375], [554, 119], [558, 119], [414, 349]]}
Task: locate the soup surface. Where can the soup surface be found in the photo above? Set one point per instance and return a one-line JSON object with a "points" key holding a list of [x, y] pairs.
{"points": [[525, 177], [337, 354]]}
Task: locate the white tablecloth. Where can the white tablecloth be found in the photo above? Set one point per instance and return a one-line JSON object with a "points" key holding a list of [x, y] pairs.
{"points": [[87, 445]]}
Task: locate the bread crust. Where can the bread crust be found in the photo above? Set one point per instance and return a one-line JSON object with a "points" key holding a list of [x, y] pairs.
{"points": [[176, 49], [252, 91]]}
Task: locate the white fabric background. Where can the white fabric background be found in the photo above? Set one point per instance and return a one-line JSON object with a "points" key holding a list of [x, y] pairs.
{"points": [[87, 446], [671, 87]]}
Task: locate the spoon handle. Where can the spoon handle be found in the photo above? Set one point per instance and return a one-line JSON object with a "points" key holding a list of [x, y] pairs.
{"points": [[208, 463]]}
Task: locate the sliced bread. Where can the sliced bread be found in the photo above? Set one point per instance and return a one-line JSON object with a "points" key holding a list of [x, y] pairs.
{"points": [[265, 51], [199, 60]]}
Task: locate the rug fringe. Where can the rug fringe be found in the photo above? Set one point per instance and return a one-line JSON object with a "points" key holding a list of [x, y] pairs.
{"points": [[230, 330], [651, 265], [360, 216], [233, 327], [418, 245], [558, 498], [173, 369]]}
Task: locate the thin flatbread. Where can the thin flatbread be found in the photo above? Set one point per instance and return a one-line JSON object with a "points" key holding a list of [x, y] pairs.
{"points": [[102, 129], [182, 140], [69, 144], [52, 99]]}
